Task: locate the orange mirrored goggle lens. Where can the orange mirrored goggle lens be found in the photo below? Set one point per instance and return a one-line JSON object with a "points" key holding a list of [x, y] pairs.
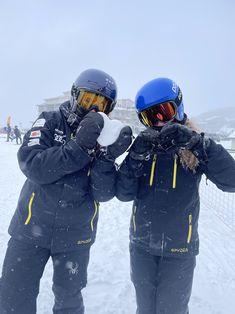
{"points": [[162, 112], [88, 99]]}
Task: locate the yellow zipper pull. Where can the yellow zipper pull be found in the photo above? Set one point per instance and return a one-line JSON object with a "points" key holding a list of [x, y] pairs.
{"points": [[190, 228], [153, 169], [95, 213], [174, 172], [30, 208]]}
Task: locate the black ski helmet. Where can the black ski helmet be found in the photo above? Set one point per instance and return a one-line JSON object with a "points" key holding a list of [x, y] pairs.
{"points": [[95, 81]]}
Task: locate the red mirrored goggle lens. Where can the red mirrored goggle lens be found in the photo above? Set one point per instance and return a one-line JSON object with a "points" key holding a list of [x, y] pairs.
{"points": [[88, 100], [162, 112]]}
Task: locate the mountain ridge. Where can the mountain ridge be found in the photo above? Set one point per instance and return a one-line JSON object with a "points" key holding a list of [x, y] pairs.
{"points": [[219, 121]]}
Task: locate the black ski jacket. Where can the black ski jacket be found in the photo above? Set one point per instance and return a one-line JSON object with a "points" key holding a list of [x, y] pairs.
{"points": [[57, 208], [166, 199], [17, 132]]}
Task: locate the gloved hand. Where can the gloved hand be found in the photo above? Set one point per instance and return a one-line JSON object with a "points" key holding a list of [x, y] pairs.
{"points": [[176, 136], [89, 130], [119, 147], [144, 144]]}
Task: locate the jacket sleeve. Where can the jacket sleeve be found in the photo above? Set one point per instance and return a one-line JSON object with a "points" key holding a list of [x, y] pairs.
{"points": [[44, 163], [220, 167], [127, 179], [103, 180]]}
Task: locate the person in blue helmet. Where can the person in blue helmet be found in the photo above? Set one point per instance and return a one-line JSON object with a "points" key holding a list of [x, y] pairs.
{"points": [[161, 175], [57, 212]]}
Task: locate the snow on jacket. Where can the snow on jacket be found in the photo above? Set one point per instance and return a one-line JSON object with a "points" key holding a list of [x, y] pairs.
{"points": [[166, 203], [57, 208]]}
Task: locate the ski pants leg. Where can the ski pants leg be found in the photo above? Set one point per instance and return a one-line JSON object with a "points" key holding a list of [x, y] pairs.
{"points": [[22, 269], [144, 277], [70, 277], [163, 285]]}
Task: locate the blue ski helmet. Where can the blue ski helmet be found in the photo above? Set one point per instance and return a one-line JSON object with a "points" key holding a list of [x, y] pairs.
{"points": [[95, 81], [159, 91]]}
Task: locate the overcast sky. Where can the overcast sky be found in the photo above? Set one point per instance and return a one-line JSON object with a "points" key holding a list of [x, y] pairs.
{"points": [[45, 44]]}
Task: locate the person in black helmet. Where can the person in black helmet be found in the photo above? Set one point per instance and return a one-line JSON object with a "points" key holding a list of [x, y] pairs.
{"points": [[57, 211], [161, 174], [17, 135]]}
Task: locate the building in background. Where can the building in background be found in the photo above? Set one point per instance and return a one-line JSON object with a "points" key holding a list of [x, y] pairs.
{"points": [[123, 111], [52, 104], [231, 139]]}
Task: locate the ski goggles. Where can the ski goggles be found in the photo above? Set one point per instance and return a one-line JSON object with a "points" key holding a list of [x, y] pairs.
{"points": [[88, 100], [161, 112]]}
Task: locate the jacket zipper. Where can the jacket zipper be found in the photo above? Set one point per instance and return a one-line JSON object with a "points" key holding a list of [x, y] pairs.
{"points": [[30, 208], [95, 213], [174, 172], [133, 218], [153, 169], [190, 228]]}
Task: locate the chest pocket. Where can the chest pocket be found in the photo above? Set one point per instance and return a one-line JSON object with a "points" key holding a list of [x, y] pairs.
{"points": [[163, 172]]}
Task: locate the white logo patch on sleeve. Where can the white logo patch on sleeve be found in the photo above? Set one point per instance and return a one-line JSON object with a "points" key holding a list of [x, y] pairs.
{"points": [[35, 134], [34, 141], [39, 123], [60, 138]]}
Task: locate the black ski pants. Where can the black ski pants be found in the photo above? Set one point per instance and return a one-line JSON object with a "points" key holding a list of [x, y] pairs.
{"points": [[18, 140], [23, 268], [163, 284]]}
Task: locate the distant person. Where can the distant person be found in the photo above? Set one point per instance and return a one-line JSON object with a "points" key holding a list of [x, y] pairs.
{"points": [[8, 130], [58, 207], [17, 135], [161, 174]]}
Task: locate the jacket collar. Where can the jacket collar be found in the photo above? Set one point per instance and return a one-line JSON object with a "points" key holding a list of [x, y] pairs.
{"points": [[73, 119]]}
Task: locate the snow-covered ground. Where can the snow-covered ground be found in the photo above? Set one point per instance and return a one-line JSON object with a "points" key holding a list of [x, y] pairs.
{"points": [[109, 290]]}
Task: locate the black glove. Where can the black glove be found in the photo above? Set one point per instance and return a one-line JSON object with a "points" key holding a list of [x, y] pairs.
{"points": [[119, 147], [89, 130], [176, 136], [144, 144]]}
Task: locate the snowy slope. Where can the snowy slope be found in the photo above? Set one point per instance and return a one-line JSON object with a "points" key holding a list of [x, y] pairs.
{"points": [[109, 289], [220, 120]]}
